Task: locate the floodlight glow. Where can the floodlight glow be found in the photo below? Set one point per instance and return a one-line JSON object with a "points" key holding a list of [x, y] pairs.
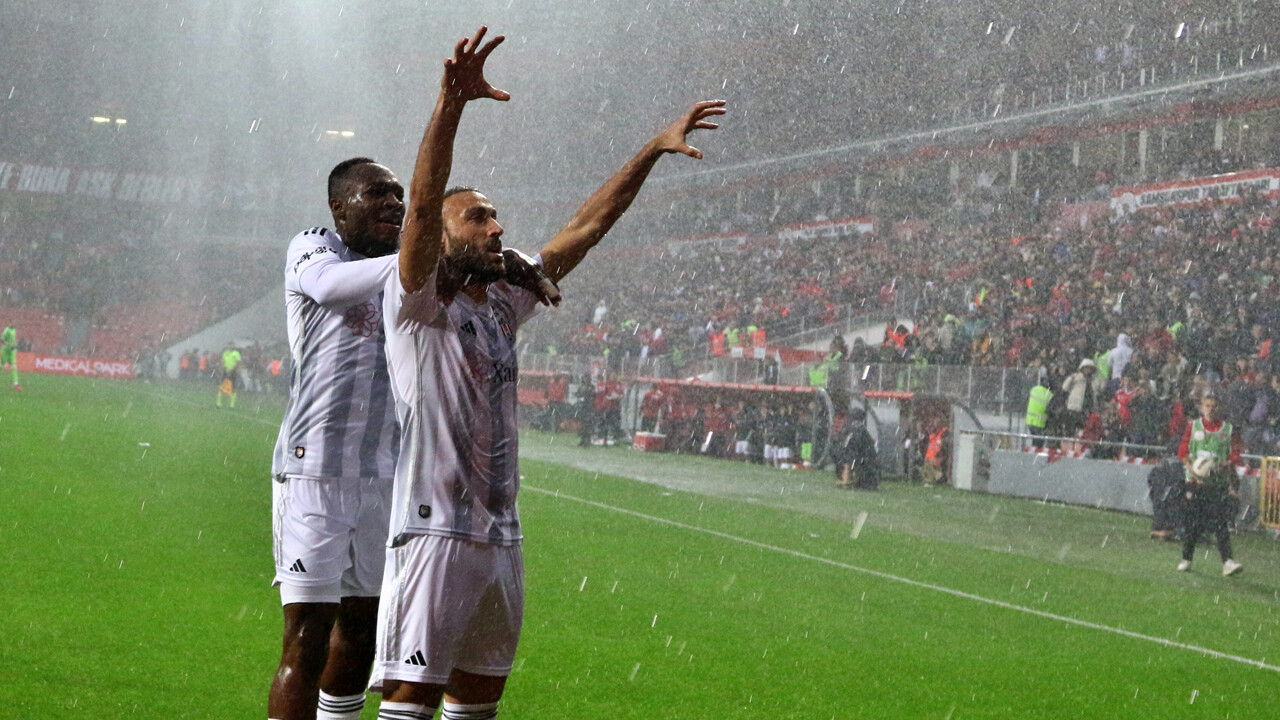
{"points": [[121, 121], [100, 119], [348, 133]]}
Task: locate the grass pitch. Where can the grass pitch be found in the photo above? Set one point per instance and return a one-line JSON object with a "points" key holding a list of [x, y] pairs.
{"points": [[137, 562]]}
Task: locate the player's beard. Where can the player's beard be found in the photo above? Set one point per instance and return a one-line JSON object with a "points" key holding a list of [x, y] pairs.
{"points": [[469, 264]]}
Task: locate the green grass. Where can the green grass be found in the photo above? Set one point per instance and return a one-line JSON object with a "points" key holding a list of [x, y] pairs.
{"points": [[137, 583]]}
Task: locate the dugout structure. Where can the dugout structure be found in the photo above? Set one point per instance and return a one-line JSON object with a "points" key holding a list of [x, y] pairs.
{"points": [[903, 420], [811, 403], [679, 420]]}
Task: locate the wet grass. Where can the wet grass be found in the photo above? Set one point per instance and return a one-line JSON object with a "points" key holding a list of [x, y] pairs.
{"points": [[136, 530]]}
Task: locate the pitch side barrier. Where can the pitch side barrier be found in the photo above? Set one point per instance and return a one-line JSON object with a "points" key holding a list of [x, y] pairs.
{"points": [[1066, 470]]}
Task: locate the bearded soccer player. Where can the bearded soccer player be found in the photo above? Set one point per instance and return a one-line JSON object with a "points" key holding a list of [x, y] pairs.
{"points": [[453, 593], [335, 455]]}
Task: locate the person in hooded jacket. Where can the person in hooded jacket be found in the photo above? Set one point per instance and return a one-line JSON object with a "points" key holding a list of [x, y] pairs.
{"points": [[1118, 358]]}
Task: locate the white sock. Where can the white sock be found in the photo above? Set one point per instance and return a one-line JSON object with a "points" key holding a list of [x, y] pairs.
{"points": [[485, 711], [339, 707], [404, 711]]}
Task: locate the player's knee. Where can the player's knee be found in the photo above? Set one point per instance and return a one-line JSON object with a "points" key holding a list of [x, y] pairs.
{"points": [[411, 692], [306, 635], [358, 622]]}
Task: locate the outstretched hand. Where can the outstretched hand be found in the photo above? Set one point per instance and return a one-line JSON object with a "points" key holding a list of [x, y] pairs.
{"points": [[672, 140], [464, 72]]}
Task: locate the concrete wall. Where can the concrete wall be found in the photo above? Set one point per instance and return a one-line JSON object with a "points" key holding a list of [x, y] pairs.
{"points": [[1079, 481]]}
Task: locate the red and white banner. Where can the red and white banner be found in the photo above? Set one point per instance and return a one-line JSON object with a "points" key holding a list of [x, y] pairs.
{"points": [[846, 227], [88, 367], [1229, 187]]}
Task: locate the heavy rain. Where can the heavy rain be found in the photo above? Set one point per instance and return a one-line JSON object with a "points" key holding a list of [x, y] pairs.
{"points": [[858, 359]]}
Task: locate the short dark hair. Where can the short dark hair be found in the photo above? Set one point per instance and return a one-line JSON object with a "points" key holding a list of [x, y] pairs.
{"points": [[460, 189], [342, 172]]}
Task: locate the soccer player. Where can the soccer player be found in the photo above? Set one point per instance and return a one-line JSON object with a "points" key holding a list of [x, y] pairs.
{"points": [[453, 592], [9, 353], [230, 373], [335, 455]]}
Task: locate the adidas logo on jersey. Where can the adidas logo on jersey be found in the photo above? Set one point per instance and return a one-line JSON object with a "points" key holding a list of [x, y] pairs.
{"points": [[297, 566], [416, 659]]}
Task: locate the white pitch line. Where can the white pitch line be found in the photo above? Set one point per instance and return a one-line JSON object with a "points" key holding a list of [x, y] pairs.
{"points": [[916, 583]]}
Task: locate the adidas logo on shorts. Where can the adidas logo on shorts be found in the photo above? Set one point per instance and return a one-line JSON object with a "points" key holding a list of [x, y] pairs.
{"points": [[416, 659], [297, 566]]}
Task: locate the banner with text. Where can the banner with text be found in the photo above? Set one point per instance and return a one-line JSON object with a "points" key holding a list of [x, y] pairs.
{"points": [[102, 184], [1228, 187], [88, 367], [846, 227]]}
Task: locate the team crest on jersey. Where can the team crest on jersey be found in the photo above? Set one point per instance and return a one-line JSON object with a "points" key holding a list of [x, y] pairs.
{"points": [[363, 319], [504, 326], [1198, 435], [299, 451], [424, 511]]}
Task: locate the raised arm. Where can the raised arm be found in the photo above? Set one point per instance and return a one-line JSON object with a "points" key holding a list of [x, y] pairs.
{"points": [[463, 81], [563, 253]]}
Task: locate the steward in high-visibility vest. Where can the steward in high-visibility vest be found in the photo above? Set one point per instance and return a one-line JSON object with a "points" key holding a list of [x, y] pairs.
{"points": [[732, 335], [933, 472], [1038, 407], [717, 343], [1103, 364], [818, 375], [1038, 412], [934, 449]]}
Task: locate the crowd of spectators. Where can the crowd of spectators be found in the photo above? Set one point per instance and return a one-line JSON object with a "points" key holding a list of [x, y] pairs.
{"points": [[119, 292], [1168, 298]]}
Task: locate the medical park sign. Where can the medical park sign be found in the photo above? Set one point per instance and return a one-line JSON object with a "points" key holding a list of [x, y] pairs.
{"points": [[1229, 187], [87, 367]]}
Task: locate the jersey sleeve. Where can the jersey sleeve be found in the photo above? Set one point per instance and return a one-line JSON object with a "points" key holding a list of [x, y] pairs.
{"points": [[316, 269], [405, 312]]}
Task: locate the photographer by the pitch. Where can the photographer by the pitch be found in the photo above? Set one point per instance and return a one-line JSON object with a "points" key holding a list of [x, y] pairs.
{"points": [[1210, 451]]}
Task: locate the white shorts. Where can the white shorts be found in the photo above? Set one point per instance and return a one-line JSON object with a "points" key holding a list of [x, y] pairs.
{"points": [[782, 452], [742, 447], [770, 452], [330, 537], [448, 603]]}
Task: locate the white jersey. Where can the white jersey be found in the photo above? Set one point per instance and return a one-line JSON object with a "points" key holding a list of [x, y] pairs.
{"points": [[340, 420], [453, 372]]}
